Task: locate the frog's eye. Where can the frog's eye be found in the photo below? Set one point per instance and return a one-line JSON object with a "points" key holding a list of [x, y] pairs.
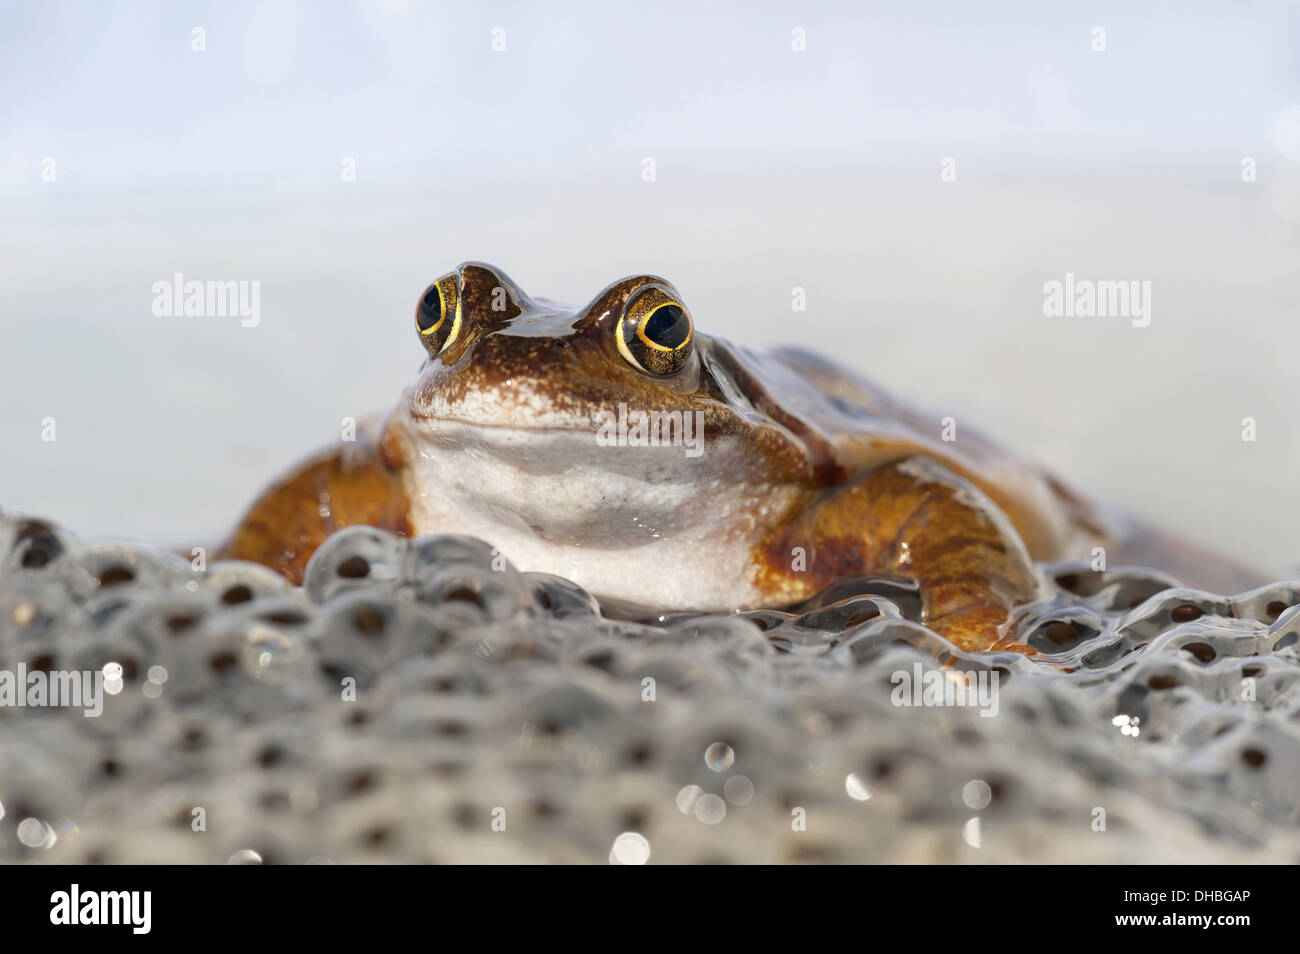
{"points": [[437, 316], [656, 332]]}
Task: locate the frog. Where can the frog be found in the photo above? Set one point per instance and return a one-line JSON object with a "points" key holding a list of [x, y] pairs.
{"points": [[619, 446]]}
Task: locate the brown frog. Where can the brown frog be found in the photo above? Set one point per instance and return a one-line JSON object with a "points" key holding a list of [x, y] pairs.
{"points": [[618, 446]]}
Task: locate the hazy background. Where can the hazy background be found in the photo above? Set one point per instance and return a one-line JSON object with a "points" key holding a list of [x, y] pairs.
{"points": [[774, 169]]}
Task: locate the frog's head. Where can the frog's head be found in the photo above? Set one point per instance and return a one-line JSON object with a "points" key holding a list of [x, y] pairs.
{"points": [[606, 426], [507, 370]]}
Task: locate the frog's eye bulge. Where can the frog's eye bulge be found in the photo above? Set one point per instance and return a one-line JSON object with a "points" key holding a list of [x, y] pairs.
{"points": [[656, 332], [437, 316]]}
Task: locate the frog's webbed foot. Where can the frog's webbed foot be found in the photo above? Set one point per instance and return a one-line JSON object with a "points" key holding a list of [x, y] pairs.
{"points": [[918, 520]]}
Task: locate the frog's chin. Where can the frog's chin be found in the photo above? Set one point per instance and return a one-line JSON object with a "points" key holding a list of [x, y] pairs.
{"points": [[560, 484], [643, 523]]}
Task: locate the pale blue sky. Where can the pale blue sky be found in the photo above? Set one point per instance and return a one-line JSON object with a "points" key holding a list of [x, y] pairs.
{"points": [[414, 89]]}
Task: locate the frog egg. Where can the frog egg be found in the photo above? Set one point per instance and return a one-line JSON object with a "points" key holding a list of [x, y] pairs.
{"points": [[908, 782], [446, 724], [45, 652], [496, 595], [159, 625], [1273, 683], [568, 707], [1077, 577], [768, 621], [1127, 589], [636, 749], [451, 675], [203, 657], [604, 657], [110, 572], [278, 749], [36, 790], [1060, 632], [1255, 765], [452, 550], [380, 827], [355, 770], [33, 546], [1266, 603], [235, 583], [122, 759], [867, 642], [252, 664], [560, 598], [363, 635], [117, 664], [355, 558], [1210, 645], [1169, 609], [201, 743], [35, 607], [268, 637], [847, 614], [1283, 635], [731, 633], [673, 671], [535, 642]]}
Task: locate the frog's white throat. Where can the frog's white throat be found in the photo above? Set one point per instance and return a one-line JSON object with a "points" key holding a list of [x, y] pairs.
{"points": [[648, 524]]}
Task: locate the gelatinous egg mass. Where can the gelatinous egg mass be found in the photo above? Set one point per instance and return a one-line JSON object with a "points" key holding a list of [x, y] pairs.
{"points": [[419, 699]]}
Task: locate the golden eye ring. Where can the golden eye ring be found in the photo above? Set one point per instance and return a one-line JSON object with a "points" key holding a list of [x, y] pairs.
{"points": [[656, 333], [437, 315]]}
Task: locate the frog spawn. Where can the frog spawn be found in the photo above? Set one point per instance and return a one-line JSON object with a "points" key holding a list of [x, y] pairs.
{"points": [[420, 700]]}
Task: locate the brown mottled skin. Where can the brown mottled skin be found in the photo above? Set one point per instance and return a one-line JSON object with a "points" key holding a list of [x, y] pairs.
{"points": [[356, 484], [914, 519], [810, 473]]}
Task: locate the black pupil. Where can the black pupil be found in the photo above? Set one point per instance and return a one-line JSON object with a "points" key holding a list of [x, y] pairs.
{"points": [[430, 309], [668, 327]]}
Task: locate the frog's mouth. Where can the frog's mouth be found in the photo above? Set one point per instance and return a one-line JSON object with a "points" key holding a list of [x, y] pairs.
{"points": [[527, 415], [525, 406], [462, 430]]}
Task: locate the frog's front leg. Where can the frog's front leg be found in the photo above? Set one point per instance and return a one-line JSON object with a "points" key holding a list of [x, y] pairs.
{"points": [[357, 483], [917, 520]]}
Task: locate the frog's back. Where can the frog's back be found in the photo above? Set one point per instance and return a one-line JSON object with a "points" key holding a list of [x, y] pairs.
{"points": [[862, 427], [867, 427]]}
